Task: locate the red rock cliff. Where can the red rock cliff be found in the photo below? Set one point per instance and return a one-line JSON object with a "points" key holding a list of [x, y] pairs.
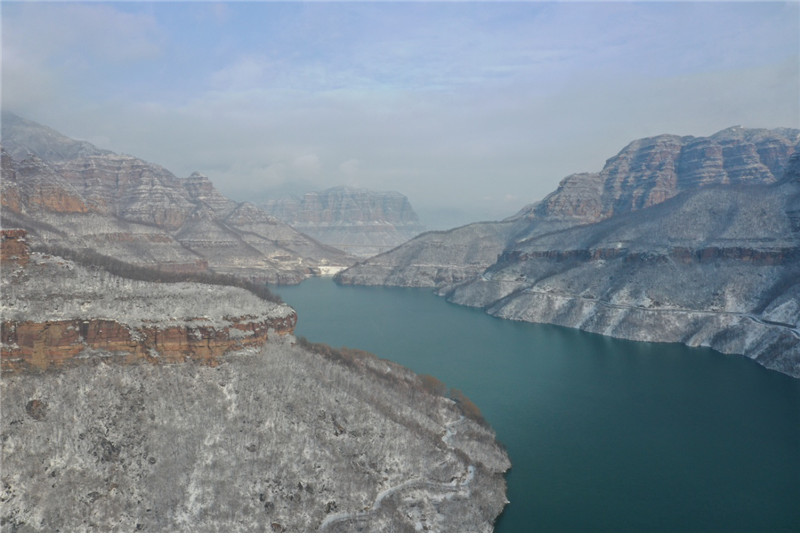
{"points": [[58, 313]]}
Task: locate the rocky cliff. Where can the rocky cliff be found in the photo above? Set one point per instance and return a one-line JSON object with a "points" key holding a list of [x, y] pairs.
{"points": [[69, 193], [359, 221], [666, 244], [716, 267], [649, 171], [103, 431], [56, 312]]}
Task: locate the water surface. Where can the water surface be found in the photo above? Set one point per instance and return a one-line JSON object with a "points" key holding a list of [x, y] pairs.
{"points": [[603, 434]]}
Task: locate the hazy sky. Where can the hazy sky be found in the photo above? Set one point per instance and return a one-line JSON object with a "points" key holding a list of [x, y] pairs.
{"points": [[470, 109]]}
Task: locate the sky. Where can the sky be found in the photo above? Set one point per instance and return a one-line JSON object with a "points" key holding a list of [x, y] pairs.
{"points": [[470, 109]]}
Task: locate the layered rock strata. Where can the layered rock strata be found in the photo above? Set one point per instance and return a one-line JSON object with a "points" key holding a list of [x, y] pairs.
{"points": [[67, 194], [678, 239], [716, 267], [652, 170], [56, 312], [101, 432], [361, 222]]}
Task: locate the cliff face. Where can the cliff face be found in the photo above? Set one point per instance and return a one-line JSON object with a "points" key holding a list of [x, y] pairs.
{"points": [[678, 239], [56, 312], [716, 267], [101, 431], [359, 221], [650, 171], [67, 194]]}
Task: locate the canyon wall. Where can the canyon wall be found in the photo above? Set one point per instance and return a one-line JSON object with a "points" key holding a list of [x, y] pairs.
{"points": [[143, 406], [56, 312], [678, 239], [71, 194], [361, 222]]}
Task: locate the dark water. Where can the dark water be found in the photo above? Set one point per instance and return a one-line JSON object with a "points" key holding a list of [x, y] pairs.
{"points": [[603, 434]]}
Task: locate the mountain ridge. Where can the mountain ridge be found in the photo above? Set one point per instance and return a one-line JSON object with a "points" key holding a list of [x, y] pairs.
{"points": [[360, 221], [128, 403], [122, 206], [644, 253]]}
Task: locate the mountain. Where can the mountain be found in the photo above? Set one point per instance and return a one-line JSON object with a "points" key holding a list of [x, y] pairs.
{"points": [[662, 245], [361, 222], [22, 137], [649, 171], [70, 193], [143, 406], [435, 258]]}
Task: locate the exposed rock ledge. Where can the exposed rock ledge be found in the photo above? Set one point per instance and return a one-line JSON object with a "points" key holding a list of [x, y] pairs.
{"points": [[271, 437], [56, 312]]}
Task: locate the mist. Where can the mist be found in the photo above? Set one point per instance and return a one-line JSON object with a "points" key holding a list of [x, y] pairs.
{"points": [[472, 110]]}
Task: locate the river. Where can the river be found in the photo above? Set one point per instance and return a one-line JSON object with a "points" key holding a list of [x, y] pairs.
{"points": [[603, 434]]}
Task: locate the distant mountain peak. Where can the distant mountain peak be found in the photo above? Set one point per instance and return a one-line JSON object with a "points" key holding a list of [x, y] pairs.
{"points": [[360, 221], [21, 137]]}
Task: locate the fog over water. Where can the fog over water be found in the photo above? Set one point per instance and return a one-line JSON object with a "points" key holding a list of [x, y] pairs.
{"points": [[471, 109]]}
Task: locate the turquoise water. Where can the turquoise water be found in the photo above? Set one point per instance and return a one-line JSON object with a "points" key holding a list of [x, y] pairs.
{"points": [[603, 434]]}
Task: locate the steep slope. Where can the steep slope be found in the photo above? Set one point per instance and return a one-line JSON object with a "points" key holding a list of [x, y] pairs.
{"points": [[434, 258], [22, 138], [359, 221], [103, 430], [127, 208], [716, 266], [663, 245], [644, 173]]}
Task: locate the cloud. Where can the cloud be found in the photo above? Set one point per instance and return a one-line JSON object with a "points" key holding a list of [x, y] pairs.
{"points": [[246, 73], [51, 49], [68, 30], [448, 103], [350, 168], [306, 165]]}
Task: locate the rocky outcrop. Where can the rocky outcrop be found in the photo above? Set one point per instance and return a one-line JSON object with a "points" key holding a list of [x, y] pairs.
{"points": [[101, 430], [678, 239], [56, 312], [716, 266], [359, 221], [123, 207], [14, 249], [650, 171], [42, 346]]}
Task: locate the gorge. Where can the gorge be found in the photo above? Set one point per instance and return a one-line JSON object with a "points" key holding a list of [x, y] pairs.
{"points": [[131, 404], [678, 239], [135, 317], [603, 434]]}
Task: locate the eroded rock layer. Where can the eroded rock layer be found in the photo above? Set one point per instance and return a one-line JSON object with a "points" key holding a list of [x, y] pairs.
{"points": [[56, 312], [678, 239], [101, 431], [715, 267], [72, 194], [361, 222]]}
